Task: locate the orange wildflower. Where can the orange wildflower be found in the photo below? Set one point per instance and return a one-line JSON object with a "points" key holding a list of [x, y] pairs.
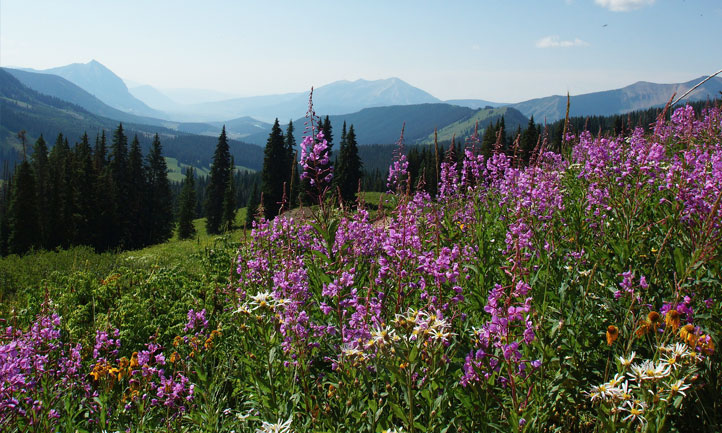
{"points": [[672, 319], [612, 334]]}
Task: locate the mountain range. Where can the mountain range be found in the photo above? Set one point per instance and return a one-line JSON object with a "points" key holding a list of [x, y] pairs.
{"points": [[36, 113], [89, 97]]}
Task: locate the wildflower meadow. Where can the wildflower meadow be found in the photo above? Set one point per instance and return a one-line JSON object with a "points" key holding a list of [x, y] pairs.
{"points": [[579, 293]]}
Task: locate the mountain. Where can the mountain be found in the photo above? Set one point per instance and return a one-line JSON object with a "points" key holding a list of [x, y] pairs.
{"points": [[154, 98], [637, 96], [483, 118], [59, 87], [243, 127], [38, 114], [196, 96], [101, 82], [382, 125], [335, 98], [474, 103]]}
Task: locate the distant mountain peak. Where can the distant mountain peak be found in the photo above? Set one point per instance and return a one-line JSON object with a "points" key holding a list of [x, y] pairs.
{"points": [[96, 79]]}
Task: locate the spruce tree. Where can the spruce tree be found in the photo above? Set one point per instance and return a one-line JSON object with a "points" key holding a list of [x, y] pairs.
{"points": [[294, 179], [252, 206], [84, 179], [187, 210], [135, 234], [529, 140], [217, 184], [60, 195], [118, 175], [161, 199], [275, 172], [100, 153], [229, 202], [41, 170], [23, 224], [349, 167]]}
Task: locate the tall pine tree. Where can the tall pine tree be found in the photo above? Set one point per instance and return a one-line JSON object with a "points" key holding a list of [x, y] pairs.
{"points": [[187, 209], [275, 172], [229, 202], [294, 179], [41, 170], [84, 180], [348, 167], [135, 233], [161, 200], [217, 184], [23, 212], [252, 206]]}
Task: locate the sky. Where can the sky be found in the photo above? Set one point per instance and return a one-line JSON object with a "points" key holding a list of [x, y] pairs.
{"points": [[496, 50]]}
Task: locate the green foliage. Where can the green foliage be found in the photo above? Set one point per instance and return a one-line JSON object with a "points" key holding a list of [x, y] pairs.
{"points": [[348, 168], [23, 225], [276, 172], [187, 210], [217, 185]]}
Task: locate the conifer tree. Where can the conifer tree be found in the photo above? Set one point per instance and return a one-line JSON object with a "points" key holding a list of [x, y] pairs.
{"points": [[487, 142], [135, 232], [60, 195], [84, 180], [294, 179], [348, 167], [160, 200], [100, 153], [187, 210], [217, 184], [23, 224], [275, 172], [252, 206], [41, 170], [118, 173], [229, 202], [5, 189], [529, 140]]}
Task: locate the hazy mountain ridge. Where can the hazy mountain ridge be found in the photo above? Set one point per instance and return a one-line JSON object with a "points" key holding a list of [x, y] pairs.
{"points": [[101, 82], [637, 96], [382, 125], [38, 114]]}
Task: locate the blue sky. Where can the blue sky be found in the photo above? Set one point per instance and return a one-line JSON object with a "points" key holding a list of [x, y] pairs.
{"points": [[498, 50]]}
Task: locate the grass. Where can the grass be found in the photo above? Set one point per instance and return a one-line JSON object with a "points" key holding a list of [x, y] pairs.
{"points": [[18, 273], [176, 170]]}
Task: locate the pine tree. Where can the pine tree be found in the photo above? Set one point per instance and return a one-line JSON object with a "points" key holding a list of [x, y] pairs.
{"points": [[529, 139], [275, 172], [217, 184], [41, 171], [349, 166], [161, 199], [229, 202], [118, 175], [252, 206], [187, 211], [23, 213], [135, 233], [60, 195], [84, 179], [100, 153], [294, 179]]}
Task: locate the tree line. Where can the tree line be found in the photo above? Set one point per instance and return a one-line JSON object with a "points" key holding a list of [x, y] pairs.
{"points": [[282, 186]]}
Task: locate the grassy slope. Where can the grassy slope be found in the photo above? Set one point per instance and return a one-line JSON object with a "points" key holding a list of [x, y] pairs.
{"points": [[18, 273]]}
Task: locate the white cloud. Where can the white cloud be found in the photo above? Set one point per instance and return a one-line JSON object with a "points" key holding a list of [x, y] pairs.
{"points": [[623, 5], [555, 42]]}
